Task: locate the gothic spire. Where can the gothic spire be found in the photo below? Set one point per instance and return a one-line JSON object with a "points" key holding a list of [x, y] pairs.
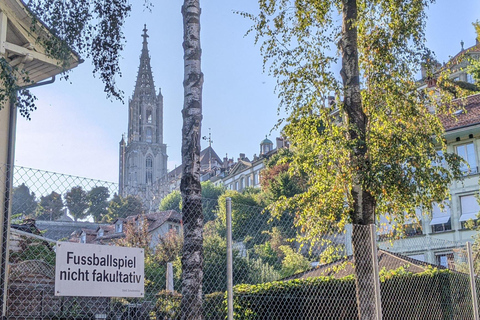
{"points": [[144, 86]]}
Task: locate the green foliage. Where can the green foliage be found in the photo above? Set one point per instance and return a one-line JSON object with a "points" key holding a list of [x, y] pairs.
{"points": [[293, 262], [34, 249], [120, 207], [97, 200], [91, 28], [210, 194], [172, 201], [50, 207], [330, 150], [136, 235], [276, 180], [23, 201], [248, 218], [261, 272], [169, 247], [215, 306], [10, 77], [332, 253], [77, 202], [215, 268], [168, 306], [432, 293]]}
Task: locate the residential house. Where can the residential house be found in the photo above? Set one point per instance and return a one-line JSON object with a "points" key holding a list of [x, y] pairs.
{"points": [[246, 173], [158, 225], [435, 236]]}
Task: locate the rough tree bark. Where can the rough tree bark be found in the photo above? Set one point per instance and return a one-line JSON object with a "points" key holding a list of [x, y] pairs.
{"points": [[192, 260], [363, 212]]}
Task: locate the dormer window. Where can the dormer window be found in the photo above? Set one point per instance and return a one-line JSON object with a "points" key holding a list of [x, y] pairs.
{"points": [[119, 227], [100, 233]]}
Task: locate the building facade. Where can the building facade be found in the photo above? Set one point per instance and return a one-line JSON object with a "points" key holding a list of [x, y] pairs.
{"points": [[437, 235], [143, 155]]}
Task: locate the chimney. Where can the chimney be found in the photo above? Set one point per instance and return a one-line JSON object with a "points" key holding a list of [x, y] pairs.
{"points": [[279, 143], [331, 101], [242, 156], [423, 69]]}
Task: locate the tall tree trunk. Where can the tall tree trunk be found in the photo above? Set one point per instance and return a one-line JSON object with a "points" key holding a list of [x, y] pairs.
{"points": [[192, 260], [363, 212]]}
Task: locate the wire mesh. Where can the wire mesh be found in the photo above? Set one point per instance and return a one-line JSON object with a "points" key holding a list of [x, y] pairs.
{"points": [[275, 275]]}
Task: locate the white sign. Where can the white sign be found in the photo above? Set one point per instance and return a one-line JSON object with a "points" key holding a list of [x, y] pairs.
{"points": [[98, 271]]}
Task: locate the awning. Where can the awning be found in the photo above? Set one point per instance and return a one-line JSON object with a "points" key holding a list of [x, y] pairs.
{"points": [[439, 220], [468, 216]]}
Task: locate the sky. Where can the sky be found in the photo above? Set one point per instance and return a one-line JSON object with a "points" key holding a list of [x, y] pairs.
{"points": [[76, 130]]}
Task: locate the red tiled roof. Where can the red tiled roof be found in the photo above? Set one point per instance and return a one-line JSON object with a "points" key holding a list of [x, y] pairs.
{"points": [[470, 116]]}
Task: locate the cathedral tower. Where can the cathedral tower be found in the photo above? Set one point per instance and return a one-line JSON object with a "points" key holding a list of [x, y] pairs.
{"points": [[143, 157]]}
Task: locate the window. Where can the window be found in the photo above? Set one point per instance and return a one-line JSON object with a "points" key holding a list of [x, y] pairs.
{"points": [[100, 233], [83, 238], [467, 152], [241, 183], [119, 227], [440, 218], [148, 136], [470, 78], [148, 173], [413, 229], [148, 177], [174, 227], [236, 185], [149, 163], [445, 260], [469, 208], [149, 116], [255, 177], [419, 257]]}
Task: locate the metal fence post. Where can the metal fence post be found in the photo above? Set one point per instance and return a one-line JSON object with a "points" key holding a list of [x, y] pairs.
{"points": [[473, 287], [169, 285], [229, 261], [376, 273]]}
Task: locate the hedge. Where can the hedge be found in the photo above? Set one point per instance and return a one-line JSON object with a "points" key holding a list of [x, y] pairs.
{"points": [[168, 306], [434, 294]]}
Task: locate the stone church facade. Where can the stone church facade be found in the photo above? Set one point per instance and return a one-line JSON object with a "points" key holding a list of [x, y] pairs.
{"points": [[143, 155]]}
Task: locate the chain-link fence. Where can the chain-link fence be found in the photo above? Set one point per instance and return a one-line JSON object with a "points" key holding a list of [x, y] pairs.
{"points": [[272, 274]]}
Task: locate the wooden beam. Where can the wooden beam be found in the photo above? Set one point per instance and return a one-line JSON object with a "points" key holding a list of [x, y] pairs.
{"points": [[36, 55], [3, 32]]}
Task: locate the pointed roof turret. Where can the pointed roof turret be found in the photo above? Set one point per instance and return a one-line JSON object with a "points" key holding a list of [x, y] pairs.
{"points": [[145, 85]]}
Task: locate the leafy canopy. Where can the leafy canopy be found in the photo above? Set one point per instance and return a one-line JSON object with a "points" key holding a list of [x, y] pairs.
{"points": [[298, 40]]}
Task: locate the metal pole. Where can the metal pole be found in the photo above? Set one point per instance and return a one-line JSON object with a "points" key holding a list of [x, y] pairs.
{"points": [[9, 167], [473, 286], [229, 261], [7, 204], [376, 273]]}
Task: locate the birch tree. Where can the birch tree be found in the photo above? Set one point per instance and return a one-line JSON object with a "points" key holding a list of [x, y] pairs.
{"points": [[192, 259], [373, 151]]}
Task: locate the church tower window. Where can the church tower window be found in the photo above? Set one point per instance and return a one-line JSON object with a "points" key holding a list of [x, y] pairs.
{"points": [[149, 116], [149, 170], [148, 136]]}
